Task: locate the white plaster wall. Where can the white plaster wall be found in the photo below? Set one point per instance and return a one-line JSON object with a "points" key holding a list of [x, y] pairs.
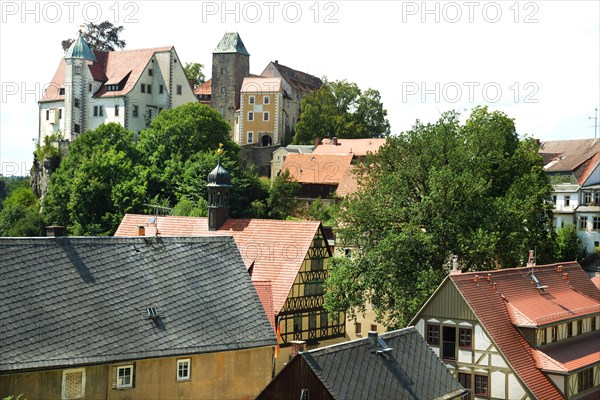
{"points": [[481, 340], [47, 127], [187, 94], [558, 380], [109, 112], [515, 390], [498, 361], [497, 384], [560, 201]]}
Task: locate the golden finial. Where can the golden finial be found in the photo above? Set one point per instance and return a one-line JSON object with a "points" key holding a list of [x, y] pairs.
{"points": [[220, 150]]}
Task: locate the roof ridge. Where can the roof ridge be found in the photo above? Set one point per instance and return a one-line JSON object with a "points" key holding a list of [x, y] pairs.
{"points": [[352, 343]]}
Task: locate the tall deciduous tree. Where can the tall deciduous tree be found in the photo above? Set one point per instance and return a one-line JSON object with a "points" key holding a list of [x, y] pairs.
{"points": [[474, 189], [342, 110], [103, 36], [96, 183], [194, 71]]}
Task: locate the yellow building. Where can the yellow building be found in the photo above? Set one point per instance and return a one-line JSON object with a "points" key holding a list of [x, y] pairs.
{"points": [[260, 115]]}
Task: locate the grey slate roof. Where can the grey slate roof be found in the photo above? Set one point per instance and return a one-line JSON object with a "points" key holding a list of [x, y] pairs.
{"points": [[411, 370], [231, 43], [73, 301], [80, 49]]}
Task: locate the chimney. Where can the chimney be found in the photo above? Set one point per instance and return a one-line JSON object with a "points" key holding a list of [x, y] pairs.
{"points": [[192, 83], [476, 278], [297, 346], [334, 141], [317, 141], [455, 270], [141, 230], [276, 62], [372, 336], [56, 231]]}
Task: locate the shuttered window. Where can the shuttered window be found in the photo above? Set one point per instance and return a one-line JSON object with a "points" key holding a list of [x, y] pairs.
{"points": [[73, 385]]}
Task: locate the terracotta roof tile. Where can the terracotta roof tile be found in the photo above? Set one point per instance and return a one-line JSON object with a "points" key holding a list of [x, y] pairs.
{"points": [[577, 156], [596, 281], [357, 147], [581, 352], [204, 89], [265, 294], [277, 248], [319, 169], [348, 183], [517, 296]]}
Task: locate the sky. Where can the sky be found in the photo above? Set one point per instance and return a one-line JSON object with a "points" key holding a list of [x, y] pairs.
{"points": [[536, 61]]}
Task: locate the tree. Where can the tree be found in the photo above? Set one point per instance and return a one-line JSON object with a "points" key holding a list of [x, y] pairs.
{"points": [[20, 214], [194, 71], [475, 190], [103, 36], [96, 183], [283, 196], [568, 245], [340, 109]]}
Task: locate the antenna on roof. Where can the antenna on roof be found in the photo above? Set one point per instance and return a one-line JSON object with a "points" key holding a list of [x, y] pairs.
{"points": [[595, 118]]}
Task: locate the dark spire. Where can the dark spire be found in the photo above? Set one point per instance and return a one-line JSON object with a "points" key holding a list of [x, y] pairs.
{"points": [[219, 185]]}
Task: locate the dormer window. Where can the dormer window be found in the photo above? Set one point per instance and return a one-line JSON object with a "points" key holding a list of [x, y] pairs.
{"points": [[112, 88], [61, 91]]}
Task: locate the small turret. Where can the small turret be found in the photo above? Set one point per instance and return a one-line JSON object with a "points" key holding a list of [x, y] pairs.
{"points": [[219, 185]]}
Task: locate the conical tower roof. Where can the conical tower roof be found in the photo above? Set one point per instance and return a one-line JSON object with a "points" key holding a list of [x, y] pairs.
{"points": [[80, 49], [219, 177], [231, 43]]}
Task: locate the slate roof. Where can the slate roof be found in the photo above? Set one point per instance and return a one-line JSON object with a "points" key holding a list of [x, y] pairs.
{"points": [[580, 157], [297, 79], [77, 301], [410, 370], [275, 248], [495, 309], [357, 147], [231, 43], [79, 49], [122, 67], [317, 168]]}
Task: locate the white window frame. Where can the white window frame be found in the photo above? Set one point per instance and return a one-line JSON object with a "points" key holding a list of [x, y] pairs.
{"points": [[267, 100], [64, 377], [125, 367], [251, 99], [250, 115], [266, 116], [187, 361], [250, 137]]}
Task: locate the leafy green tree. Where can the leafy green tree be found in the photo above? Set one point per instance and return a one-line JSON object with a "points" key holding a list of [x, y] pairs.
{"points": [[326, 213], [568, 245], [20, 214], [103, 36], [475, 190], [96, 183], [342, 110], [194, 71], [283, 196]]}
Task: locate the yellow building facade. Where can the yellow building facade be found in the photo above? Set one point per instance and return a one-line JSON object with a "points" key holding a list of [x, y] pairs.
{"points": [[260, 119]]}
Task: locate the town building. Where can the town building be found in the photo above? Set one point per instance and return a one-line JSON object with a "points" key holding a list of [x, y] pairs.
{"points": [[130, 318], [288, 259], [281, 153], [129, 87], [574, 170], [517, 333], [394, 365]]}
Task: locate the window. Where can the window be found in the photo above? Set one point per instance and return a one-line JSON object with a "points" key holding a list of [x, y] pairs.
{"points": [[569, 329], [298, 323], [583, 223], [593, 324], [250, 116], [116, 110], [266, 116], [596, 223], [223, 70], [465, 381], [77, 128], [465, 337], [77, 70], [358, 328], [98, 111], [89, 87], [304, 394], [587, 197], [579, 327], [125, 376], [95, 111], [183, 370], [567, 201], [324, 319], [150, 72], [222, 111], [161, 89], [60, 113], [585, 379], [316, 264], [267, 100], [143, 88], [149, 113], [481, 385], [433, 334], [179, 89], [312, 320], [149, 87], [373, 328], [544, 338], [554, 199], [251, 99], [597, 198], [47, 115], [314, 288], [73, 383], [250, 137], [223, 90], [76, 102], [61, 91], [136, 111], [554, 333]]}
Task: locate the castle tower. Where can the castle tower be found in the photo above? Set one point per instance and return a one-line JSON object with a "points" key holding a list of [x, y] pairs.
{"points": [[77, 58], [219, 185], [230, 65]]}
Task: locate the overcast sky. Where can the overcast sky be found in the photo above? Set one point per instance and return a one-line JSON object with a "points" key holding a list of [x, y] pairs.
{"points": [[537, 61]]}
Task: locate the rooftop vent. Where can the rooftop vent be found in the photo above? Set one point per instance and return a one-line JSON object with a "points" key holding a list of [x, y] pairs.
{"points": [[378, 345], [152, 313]]}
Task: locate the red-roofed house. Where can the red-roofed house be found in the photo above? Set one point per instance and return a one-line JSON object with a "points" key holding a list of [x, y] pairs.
{"points": [[574, 170], [518, 333], [129, 87]]}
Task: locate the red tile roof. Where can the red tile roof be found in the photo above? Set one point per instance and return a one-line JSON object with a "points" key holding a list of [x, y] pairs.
{"points": [[596, 281], [514, 291], [580, 352], [580, 157], [110, 68], [276, 248], [204, 89], [357, 147], [265, 294], [317, 169], [348, 183]]}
